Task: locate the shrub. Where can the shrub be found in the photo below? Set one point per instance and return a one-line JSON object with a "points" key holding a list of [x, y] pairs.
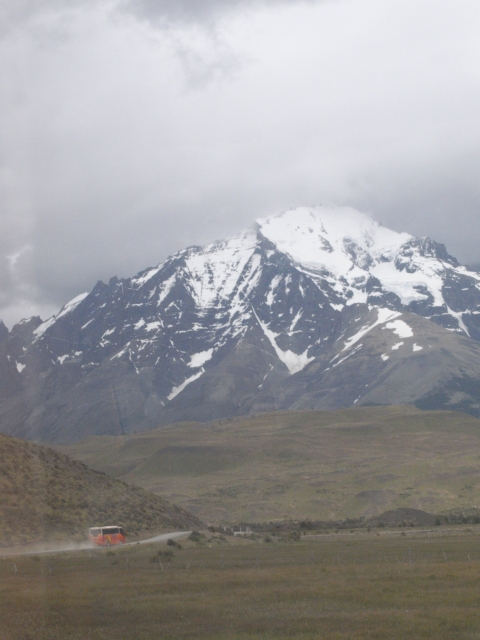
{"points": [[173, 544], [196, 536], [294, 536], [162, 555]]}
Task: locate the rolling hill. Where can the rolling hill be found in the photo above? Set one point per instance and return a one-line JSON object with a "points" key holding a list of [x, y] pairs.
{"points": [[48, 496], [304, 464]]}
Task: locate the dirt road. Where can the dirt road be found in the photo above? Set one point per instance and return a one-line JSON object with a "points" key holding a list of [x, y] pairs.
{"points": [[45, 548]]}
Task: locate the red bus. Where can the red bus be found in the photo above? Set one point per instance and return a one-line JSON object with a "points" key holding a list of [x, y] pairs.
{"points": [[107, 536]]}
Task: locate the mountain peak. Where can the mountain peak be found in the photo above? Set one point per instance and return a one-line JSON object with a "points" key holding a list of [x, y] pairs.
{"points": [[271, 318], [322, 237]]}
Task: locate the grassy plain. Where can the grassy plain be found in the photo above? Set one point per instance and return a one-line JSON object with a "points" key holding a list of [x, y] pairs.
{"points": [[338, 587], [302, 464]]}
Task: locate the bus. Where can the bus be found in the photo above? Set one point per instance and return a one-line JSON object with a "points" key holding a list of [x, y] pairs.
{"points": [[106, 536]]}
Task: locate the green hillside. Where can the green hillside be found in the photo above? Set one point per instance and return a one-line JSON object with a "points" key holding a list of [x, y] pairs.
{"points": [[303, 464], [46, 495]]}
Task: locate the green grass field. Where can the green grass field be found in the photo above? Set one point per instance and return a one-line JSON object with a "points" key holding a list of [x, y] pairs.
{"points": [[302, 464], [377, 585]]}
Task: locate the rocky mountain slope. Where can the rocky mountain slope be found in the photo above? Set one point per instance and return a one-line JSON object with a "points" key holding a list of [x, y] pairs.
{"points": [[315, 308], [46, 495]]}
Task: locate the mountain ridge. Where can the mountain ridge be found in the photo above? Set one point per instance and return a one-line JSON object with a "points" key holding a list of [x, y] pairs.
{"points": [[232, 322]]}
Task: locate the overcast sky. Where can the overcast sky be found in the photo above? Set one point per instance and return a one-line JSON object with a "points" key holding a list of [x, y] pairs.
{"points": [[133, 128]]}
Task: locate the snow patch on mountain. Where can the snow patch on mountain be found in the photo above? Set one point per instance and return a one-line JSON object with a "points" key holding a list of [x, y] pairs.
{"points": [[214, 271], [400, 328], [176, 390], [153, 326], [408, 286], [67, 308], [141, 280], [271, 293], [199, 359], [121, 352], [294, 362], [459, 317], [166, 288], [352, 352], [383, 315]]}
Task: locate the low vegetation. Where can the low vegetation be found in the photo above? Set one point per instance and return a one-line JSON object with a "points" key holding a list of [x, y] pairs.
{"points": [[46, 495], [342, 586], [317, 465]]}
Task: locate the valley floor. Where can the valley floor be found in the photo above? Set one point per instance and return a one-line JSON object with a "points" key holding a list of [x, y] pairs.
{"points": [[318, 465], [351, 586]]}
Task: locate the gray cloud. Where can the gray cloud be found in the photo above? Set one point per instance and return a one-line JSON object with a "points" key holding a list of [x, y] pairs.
{"points": [[193, 10], [440, 200], [156, 11], [15, 14], [122, 142]]}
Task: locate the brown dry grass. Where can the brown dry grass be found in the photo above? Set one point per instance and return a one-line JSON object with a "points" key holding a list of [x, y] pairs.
{"points": [[340, 588], [46, 495], [302, 464]]}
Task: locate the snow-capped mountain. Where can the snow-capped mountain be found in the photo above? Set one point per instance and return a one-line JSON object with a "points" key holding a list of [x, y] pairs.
{"points": [[316, 307]]}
